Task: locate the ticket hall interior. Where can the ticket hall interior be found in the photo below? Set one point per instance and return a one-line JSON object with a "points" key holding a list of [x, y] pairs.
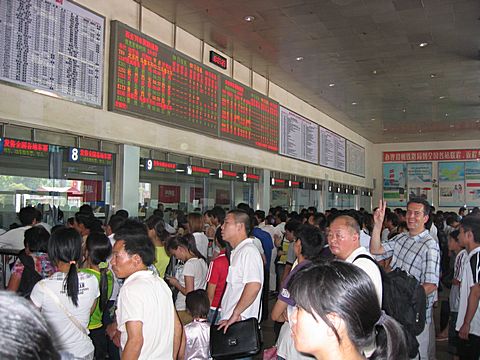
{"points": [[185, 105], [386, 95]]}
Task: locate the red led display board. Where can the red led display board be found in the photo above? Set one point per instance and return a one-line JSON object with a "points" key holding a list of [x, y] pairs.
{"points": [[23, 148], [94, 157], [247, 116], [152, 80]]}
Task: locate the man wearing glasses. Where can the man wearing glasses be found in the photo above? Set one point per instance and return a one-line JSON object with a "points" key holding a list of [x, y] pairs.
{"points": [[417, 253]]}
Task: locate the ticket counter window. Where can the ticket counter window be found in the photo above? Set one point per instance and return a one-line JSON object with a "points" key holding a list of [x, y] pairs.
{"points": [[366, 202], [47, 180], [340, 201], [281, 197]]}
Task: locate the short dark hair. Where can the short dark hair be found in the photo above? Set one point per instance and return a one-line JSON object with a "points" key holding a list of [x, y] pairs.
{"points": [[218, 236], [36, 239], [454, 234], [24, 334], [136, 241], [260, 214], [197, 303], [472, 223], [292, 225], [27, 214], [218, 213], [86, 209], [393, 218], [312, 240], [243, 218], [122, 213], [115, 222], [426, 205]]}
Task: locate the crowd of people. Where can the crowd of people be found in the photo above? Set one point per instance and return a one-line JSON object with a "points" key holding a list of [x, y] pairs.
{"points": [[151, 290]]}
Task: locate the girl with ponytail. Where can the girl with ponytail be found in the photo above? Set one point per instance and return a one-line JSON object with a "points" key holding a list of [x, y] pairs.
{"points": [[67, 297], [337, 315], [98, 249], [191, 276]]}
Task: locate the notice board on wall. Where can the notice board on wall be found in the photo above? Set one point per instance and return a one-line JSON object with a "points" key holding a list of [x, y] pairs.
{"points": [[53, 47], [355, 159], [298, 136], [332, 150]]}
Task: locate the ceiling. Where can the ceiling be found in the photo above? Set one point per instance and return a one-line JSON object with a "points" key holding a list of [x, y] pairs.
{"points": [[362, 63]]}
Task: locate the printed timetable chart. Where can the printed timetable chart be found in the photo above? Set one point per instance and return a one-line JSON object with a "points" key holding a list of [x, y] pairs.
{"points": [[355, 159], [53, 47], [152, 80], [248, 117], [298, 136], [332, 150]]}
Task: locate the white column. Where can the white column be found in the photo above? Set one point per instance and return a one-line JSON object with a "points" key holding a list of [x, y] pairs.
{"points": [[128, 171], [263, 199]]}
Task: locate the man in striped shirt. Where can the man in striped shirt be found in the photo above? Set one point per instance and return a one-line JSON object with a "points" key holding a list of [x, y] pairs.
{"points": [[417, 253]]}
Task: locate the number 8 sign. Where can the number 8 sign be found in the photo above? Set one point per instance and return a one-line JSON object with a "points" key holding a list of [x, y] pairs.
{"points": [[74, 154]]}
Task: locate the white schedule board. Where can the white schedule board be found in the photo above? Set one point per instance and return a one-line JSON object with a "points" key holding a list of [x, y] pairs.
{"points": [[332, 150], [355, 159], [298, 136], [53, 47]]}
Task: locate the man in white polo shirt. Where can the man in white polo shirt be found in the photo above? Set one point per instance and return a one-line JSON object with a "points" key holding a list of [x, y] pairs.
{"points": [[245, 275], [146, 316], [468, 320]]}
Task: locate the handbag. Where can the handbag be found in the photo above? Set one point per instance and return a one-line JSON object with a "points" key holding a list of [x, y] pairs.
{"points": [[242, 339]]}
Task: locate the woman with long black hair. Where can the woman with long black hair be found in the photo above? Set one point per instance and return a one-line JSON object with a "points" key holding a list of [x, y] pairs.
{"points": [[191, 276], [68, 297], [337, 315]]}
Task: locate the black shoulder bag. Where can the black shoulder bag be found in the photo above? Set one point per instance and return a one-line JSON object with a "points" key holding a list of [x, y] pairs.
{"points": [[242, 339]]}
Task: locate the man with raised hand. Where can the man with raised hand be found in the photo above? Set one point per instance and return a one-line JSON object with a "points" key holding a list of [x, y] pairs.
{"points": [[417, 253]]}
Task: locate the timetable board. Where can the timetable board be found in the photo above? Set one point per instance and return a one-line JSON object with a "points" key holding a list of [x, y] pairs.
{"points": [[298, 136], [247, 116], [355, 159], [152, 80], [52, 47], [332, 150]]}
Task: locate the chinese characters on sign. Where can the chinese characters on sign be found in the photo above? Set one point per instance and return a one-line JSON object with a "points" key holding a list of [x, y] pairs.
{"points": [[431, 155]]}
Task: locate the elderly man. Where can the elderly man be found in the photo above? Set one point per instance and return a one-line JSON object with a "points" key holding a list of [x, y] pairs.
{"points": [[344, 242], [417, 253], [245, 278]]}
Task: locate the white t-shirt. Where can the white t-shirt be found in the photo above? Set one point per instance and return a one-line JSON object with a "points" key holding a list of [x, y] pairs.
{"points": [[201, 241], [246, 266], [258, 245], [370, 267], [385, 233], [469, 279], [365, 239], [67, 336], [13, 239], [193, 267], [145, 297]]}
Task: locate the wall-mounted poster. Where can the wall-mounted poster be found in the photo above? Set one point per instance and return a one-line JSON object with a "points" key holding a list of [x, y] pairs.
{"points": [[394, 184], [451, 183], [420, 181], [472, 183], [332, 150]]}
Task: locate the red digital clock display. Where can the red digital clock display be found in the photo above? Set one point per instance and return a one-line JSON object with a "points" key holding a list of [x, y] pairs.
{"points": [[218, 60]]}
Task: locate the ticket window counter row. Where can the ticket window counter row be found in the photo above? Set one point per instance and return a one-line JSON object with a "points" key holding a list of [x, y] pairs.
{"points": [[51, 182], [294, 199], [177, 191]]}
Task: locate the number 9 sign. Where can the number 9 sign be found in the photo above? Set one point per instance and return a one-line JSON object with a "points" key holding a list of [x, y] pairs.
{"points": [[148, 164]]}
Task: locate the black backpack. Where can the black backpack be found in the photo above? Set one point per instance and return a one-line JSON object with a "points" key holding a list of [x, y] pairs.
{"points": [[403, 299], [29, 275]]}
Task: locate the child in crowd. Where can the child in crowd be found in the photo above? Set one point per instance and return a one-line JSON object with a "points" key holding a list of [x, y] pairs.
{"points": [[197, 333], [460, 255], [98, 249]]}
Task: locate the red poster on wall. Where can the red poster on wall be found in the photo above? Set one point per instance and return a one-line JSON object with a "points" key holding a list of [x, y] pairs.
{"points": [[196, 193], [92, 190], [222, 197], [169, 194]]}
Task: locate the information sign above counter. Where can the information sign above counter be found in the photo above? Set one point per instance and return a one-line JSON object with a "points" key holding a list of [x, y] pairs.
{"points": [[53, 47], [332, 150]]}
